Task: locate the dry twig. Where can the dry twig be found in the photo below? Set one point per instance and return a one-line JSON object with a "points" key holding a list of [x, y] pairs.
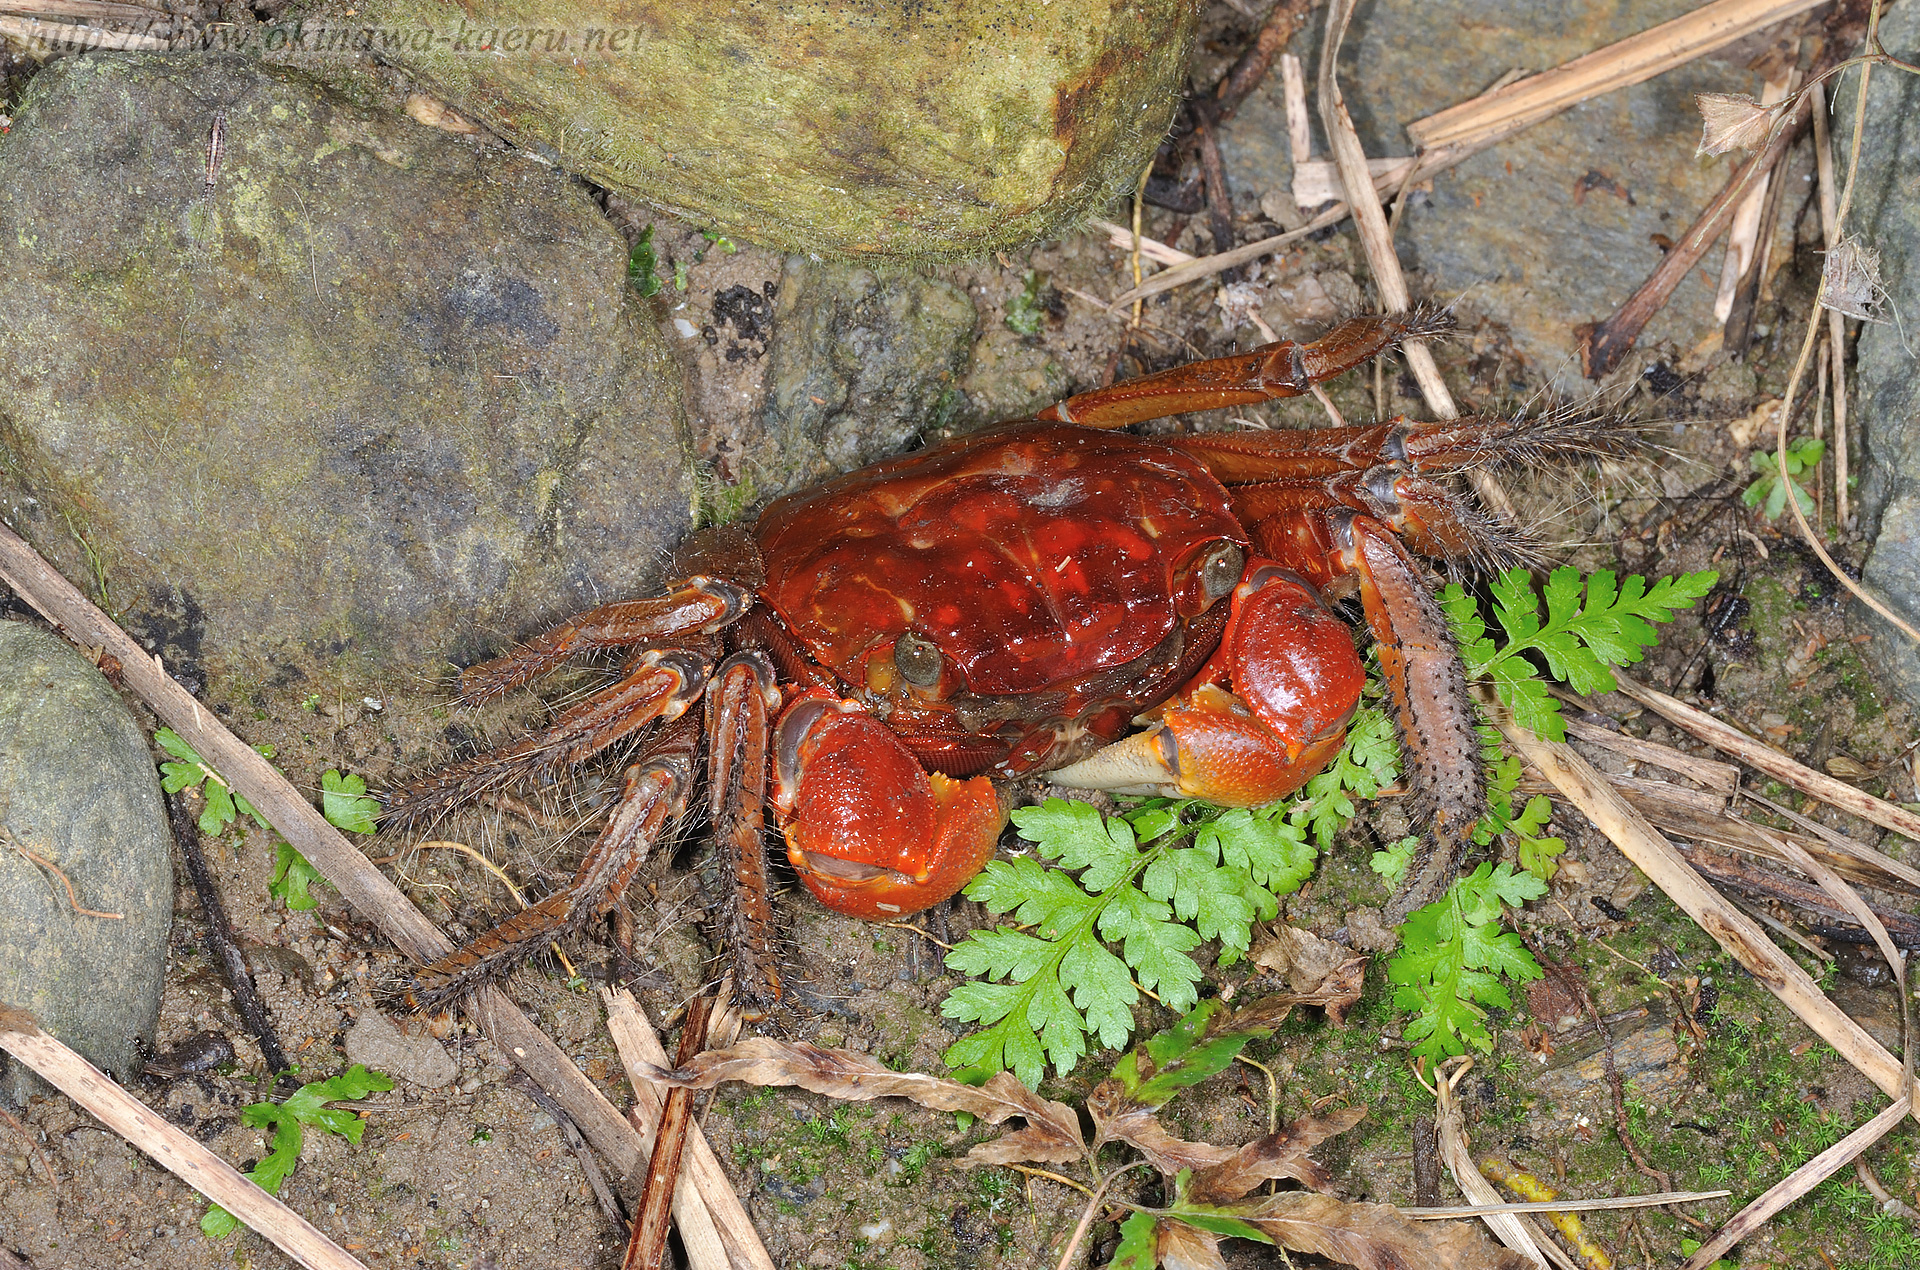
{"points": [[341, 863], [649, 1242], [714, 1228], [146, 1129]]}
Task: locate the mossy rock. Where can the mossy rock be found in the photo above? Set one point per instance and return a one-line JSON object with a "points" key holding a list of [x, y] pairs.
{"points": [[372, 398], [895, 129]]}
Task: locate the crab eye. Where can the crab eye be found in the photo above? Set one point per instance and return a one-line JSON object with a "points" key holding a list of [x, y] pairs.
{"points": [[1220, 570], [917, 659]]}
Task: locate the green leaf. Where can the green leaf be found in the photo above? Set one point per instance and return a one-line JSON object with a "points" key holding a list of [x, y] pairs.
{"points": [[1451, 959], [192, 770], [1393, 863], [642, 263], [1200, 1045], [305, 1108], [344, 802], [1139, 1247], [1580, 638], [1216, 1221], [292, 876]]}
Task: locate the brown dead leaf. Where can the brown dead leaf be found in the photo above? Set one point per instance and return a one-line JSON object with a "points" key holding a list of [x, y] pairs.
{"points": [[1140, 1128], [1376, 1236], [1282, 1154], [1299, 956], [1319, 971], [1053, 1128], [1181, 1247]]}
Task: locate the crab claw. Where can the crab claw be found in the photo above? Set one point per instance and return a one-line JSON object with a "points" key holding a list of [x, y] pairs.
{"points": [[871, 832], [1296, 681]]}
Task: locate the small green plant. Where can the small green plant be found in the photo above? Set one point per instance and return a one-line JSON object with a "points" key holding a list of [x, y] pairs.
{"points": [[1452, 954], [1580, 639], [1155, 882], [643, 263], [1769, 489], [190, 771], [344, 802], [288, 1120], [293, 879], [1024, 311], [1690, 1246], [1538, 855]]}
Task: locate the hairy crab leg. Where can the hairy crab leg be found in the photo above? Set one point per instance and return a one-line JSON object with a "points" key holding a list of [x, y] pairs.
{"points": [[697, 606], [1281, 369], [1478, 441], [654, 798], [741, 703], [661, 686], [1437, 720]]}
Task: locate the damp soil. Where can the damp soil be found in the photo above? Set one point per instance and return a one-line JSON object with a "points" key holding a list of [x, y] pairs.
{"points": [[1721, 1087]]}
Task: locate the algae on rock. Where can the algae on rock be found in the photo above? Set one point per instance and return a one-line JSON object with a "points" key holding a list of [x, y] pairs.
{"points": [[896, 129]]}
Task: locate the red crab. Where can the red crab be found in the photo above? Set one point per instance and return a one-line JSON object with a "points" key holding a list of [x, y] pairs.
{"points": [[882, 646]]}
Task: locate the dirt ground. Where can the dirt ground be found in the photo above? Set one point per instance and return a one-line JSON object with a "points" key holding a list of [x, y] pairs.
{"points": [[471, 1173]]}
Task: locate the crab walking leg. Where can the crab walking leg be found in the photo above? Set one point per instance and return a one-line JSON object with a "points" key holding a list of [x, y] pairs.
{"points": [[654, 797], [1281, 369], [871, 832], [741, 703], [697, 606], [1264, 715], [1479, 441], [661, 686], [1436, 717]]}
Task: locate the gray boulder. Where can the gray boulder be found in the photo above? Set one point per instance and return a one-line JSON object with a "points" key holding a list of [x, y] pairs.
{"points": [[79, 791], [860, 364], [360, 398], [1886, 217]]}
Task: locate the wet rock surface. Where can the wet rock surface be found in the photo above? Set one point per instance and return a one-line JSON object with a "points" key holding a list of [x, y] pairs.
{"points": [[78, 791], [369, 399], [861, 363], [1886, 218], [897, 129]]}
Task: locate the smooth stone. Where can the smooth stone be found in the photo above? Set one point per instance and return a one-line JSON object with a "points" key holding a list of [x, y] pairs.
{"points": [[78, 788], [895, 128], [374, 1041], [375, 399], [1885, 389]]}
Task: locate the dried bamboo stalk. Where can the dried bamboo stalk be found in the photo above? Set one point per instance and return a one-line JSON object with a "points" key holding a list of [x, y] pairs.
{"points": [[1836, 321], [1710, 774], [716, 1230], [1730, 740], [340, 862], [652, 1215], [1487, 118], [98, 10], [1563, 1204], [1509, 1227], [1653, 855], [173, 1150], [1153, 249], [1375, 237]]}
